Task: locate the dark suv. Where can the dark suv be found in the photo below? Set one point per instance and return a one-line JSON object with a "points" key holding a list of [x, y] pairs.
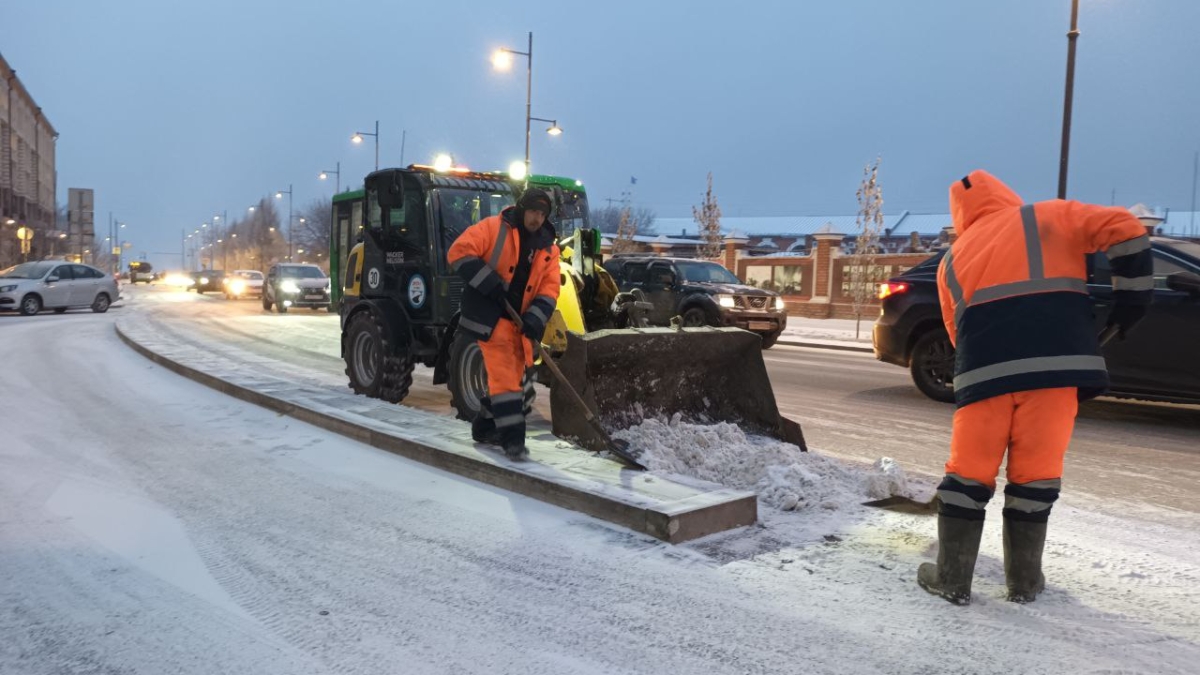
{"points": [[1157, 361], [702, 293]]}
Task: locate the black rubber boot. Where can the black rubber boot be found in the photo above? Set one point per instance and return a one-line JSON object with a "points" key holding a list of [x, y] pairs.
{"points": [[512, 439], [483, 427], [1023, 545], [958, 548]]}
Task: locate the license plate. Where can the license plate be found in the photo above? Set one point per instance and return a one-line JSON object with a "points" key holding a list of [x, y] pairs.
{"points": [[761, 325], [313, 297]]}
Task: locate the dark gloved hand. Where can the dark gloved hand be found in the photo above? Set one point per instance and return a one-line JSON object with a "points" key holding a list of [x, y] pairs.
{"points": [[1125, 317], [532, 326], [498, 294]]}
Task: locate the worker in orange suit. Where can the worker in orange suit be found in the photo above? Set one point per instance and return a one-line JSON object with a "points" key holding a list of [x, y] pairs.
{"points": [[1013, 291], [508, 258]]}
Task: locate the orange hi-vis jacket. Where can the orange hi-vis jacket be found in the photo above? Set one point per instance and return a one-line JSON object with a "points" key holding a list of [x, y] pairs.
{"points": [[1013, 288], [485, 255]]}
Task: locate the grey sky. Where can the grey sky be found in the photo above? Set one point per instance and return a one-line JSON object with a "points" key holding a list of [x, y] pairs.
{"points": [[174, 111]]}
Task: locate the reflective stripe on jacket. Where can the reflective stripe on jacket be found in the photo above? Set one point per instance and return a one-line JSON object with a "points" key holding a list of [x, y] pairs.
{"points": [[485, 255], [1013, 288]]}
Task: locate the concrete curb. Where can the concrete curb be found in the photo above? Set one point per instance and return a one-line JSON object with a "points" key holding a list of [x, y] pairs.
{"points": [[825, 345], [626, 498]]}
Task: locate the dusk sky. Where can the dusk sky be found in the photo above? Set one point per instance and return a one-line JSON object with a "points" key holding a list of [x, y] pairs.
{"points": [[175, 111]]}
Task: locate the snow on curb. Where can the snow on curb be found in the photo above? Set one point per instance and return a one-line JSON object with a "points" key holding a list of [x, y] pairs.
{"points": [[783, 476]]}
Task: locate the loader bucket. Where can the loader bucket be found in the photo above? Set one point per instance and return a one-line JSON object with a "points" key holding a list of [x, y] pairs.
{"points": [[706, 375]]}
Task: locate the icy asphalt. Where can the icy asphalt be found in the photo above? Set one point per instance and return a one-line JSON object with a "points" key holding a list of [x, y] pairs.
{"points": [[149, 525]]}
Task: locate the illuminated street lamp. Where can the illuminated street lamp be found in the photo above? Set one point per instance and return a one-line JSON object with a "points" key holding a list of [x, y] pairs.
{"points": [[358, 138], [338, 172]]}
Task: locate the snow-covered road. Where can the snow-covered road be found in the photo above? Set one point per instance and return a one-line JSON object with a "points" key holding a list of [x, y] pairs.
{"points": [[151, 525]]}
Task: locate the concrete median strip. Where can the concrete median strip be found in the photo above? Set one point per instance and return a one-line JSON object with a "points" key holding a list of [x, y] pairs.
{"points": [[559, 473]]}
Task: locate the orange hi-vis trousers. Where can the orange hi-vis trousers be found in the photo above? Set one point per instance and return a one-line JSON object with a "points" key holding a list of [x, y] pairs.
{"points": [[1034, 427], [506, 355]]}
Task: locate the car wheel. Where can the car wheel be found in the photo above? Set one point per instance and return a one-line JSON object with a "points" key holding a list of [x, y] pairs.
{"points": [[30, 305], [376, 369], [769, 339], [101, 303], [932, 366], [695, 317], [59, 310], [266, 304], [468, 378]]}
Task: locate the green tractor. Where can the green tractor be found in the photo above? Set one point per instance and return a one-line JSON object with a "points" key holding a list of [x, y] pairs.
{"points": [[399, 307]]}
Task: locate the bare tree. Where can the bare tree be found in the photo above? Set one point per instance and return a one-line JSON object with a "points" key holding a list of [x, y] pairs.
{"points": [[708, 217], [607, 219], [626, 229], [864, 274], [312, 235]]}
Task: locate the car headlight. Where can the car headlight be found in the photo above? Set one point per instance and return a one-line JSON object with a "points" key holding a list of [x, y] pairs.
{"points": [[203, 280], [725, 301], [289, 287], [779, 305], [238, 287], [8, 289]]}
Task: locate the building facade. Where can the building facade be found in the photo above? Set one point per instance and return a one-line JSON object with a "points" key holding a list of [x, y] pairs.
{"points": [[27, 170]]}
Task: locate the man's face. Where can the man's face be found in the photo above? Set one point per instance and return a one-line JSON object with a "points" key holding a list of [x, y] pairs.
{"points": [[534, 220]]}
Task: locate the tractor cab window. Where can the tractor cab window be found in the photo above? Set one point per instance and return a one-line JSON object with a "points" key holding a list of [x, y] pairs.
{"points": [[460, 209], [406, 226], [572, 211]]}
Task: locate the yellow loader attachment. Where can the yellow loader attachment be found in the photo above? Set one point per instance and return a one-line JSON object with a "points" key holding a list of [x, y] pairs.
{"points": [[706, 375]]}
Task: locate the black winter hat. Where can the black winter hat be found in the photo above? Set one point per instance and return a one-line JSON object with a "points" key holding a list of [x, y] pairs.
{"points": [[536, 199]]}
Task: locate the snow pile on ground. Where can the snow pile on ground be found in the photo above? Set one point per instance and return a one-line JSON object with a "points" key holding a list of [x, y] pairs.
{"points": [[780, 473]]}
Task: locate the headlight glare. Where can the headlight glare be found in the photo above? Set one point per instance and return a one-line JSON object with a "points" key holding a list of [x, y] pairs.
{"points": [[779, 305], [725, 301], [289, 287]]}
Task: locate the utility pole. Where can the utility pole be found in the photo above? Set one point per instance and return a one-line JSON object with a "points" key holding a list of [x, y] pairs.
{"points": [[1068, 97]]}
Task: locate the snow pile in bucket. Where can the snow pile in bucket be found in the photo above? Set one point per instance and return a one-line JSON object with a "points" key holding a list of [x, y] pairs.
{"points": [[780, 473]]}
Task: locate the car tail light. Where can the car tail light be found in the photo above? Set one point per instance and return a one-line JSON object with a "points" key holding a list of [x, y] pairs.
{"points": [[891, 288]]}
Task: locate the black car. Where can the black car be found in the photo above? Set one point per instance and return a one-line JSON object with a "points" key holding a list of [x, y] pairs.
{"points": [[208, 281], [1158, 360], [701, 293]]}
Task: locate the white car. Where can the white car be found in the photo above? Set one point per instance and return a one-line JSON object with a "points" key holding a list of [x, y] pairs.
{"points": [[53, 284], [243, 284]]}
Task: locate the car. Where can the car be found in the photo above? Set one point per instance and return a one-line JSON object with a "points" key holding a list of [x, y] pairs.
{"points": [[207, 281], [701, 293], [243, 284], [1157, 361], [296, 285], [53, 284]]}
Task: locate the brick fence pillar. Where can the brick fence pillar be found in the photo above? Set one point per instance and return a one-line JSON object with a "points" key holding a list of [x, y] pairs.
{"points": [[735, 244], [827, 242]]}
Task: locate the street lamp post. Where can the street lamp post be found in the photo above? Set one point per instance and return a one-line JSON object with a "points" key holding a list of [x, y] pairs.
{"points": [[357, 138], [288, 192], [501, 60], [338, 173], [1072, 37]]}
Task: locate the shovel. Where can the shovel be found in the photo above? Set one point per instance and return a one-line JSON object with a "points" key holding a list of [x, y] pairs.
{"points": [[617, 447], [909, 505]]}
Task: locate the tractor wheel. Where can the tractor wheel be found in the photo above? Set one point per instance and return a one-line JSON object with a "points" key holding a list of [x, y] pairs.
{"points": [[376, 368], [468, 378]]}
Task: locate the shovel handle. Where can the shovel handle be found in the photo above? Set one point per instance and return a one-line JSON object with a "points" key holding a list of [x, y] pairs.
{"points": [[562, 379]]}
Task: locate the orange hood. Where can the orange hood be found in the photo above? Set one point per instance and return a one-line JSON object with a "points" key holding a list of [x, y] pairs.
{"points": [[986, 195]]}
